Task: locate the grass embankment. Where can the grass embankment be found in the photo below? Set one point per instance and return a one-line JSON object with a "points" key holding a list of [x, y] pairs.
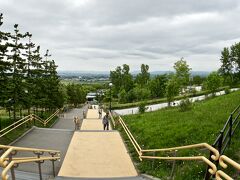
{"points": [[169, 127]]}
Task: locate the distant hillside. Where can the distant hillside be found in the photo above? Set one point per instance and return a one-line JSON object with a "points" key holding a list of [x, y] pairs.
{"points": [[106, 73], [82, 73]]}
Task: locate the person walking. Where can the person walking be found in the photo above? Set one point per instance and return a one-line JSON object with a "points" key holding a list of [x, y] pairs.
{"points": [[78, 123], [75, 122], [99, 113], [84, 114], [105, 121]]}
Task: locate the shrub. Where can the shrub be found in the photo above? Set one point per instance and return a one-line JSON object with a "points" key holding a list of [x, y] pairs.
{"points": [[227, 90], [142, 107], [185, 105]]}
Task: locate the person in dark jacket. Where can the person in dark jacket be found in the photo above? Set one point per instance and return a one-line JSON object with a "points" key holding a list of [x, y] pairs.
{"points": [[105, 121]]}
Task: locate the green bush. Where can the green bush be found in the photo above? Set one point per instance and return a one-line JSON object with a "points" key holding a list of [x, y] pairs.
{"points": [[227, 90], [142, 107], [185, 105]]}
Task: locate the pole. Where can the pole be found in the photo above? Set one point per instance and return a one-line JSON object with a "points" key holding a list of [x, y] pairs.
{"points": [[110, 107]]}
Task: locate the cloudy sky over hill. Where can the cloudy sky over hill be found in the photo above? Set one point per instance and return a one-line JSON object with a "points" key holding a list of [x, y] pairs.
{"points": [[101, 34]]}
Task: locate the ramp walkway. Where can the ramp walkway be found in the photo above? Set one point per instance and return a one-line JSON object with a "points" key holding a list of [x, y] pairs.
{"points": [[94, 153]]}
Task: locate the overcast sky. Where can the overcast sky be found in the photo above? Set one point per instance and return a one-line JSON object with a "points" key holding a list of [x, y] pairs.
{"points": [[99, 35]]}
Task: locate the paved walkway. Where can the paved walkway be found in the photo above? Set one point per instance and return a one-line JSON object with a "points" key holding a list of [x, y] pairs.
{"points": [[94, 153], [66, 122]]}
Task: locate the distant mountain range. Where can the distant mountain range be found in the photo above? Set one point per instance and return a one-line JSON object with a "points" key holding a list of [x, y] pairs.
{"points": [[106, 73]]}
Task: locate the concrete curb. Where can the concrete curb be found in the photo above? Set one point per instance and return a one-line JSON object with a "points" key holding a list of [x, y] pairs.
{"points": [[146, 176]]}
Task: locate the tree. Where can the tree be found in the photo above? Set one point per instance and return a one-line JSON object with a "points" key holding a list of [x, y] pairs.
{"points": [[5, 66], [116, 79], [182, 72], [230, 64], [18, 71], [158, 86], [76, 94], [235, 58], [141, 93], [197, 80], [227, 66], [127, 79], [143, 78], [172, 89], [121, 79], [213, 82]]}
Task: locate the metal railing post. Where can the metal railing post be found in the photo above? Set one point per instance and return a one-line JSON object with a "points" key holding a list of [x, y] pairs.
{"points": [[220, 142], [53, 165], [173, 166], [230, 128], [39, 164], [12, 168], [208, 174]]}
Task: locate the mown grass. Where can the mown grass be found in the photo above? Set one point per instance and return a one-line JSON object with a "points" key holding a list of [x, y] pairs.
{"points": [[169, 127]]}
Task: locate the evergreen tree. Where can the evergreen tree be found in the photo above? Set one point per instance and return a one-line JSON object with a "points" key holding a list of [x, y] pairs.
{"points": [[5, 66], [28, 99], [18, 74]]}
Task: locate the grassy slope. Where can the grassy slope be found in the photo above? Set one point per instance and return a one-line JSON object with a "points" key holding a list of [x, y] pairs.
{"points": [[169, 127]]}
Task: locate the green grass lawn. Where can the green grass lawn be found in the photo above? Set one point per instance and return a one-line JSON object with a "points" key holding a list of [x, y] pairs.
{"points": [[169, 127]]}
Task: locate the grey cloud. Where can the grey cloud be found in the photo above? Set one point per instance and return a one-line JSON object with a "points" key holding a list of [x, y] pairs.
{"points": [[99, 35]]}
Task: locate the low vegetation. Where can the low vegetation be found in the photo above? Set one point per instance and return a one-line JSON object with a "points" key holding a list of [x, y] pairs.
{"points": [[170, 127]]}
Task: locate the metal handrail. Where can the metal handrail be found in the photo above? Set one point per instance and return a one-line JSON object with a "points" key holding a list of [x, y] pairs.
{"points": [[215, 152], [215, 156], [112, 119], [229, 161], [24, 120], [220, 173], [38, 118], [131, 137], [5, 176], [13, 124], [50, 117], [211, 170], [14, 127], [11, 149]]}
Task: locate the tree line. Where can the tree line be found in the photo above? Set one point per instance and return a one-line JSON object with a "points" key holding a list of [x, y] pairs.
{"points": [[128, 88], [26, 78]]}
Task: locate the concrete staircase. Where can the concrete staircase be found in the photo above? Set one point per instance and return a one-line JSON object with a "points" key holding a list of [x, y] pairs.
{"points": [[119, 178], [106, 149], [55, 139]]}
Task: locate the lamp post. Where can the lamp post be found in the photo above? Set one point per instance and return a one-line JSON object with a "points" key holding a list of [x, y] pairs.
{"points": [[110, 105]]}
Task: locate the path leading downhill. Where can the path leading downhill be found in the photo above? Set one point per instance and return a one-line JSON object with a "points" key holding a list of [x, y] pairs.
{"points": [[90, 152], [94, 153], [66, 122]]}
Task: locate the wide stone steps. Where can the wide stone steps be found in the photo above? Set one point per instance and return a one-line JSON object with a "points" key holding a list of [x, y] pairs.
{"points": [[55, 139], [118, 178], [21, 175]]}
